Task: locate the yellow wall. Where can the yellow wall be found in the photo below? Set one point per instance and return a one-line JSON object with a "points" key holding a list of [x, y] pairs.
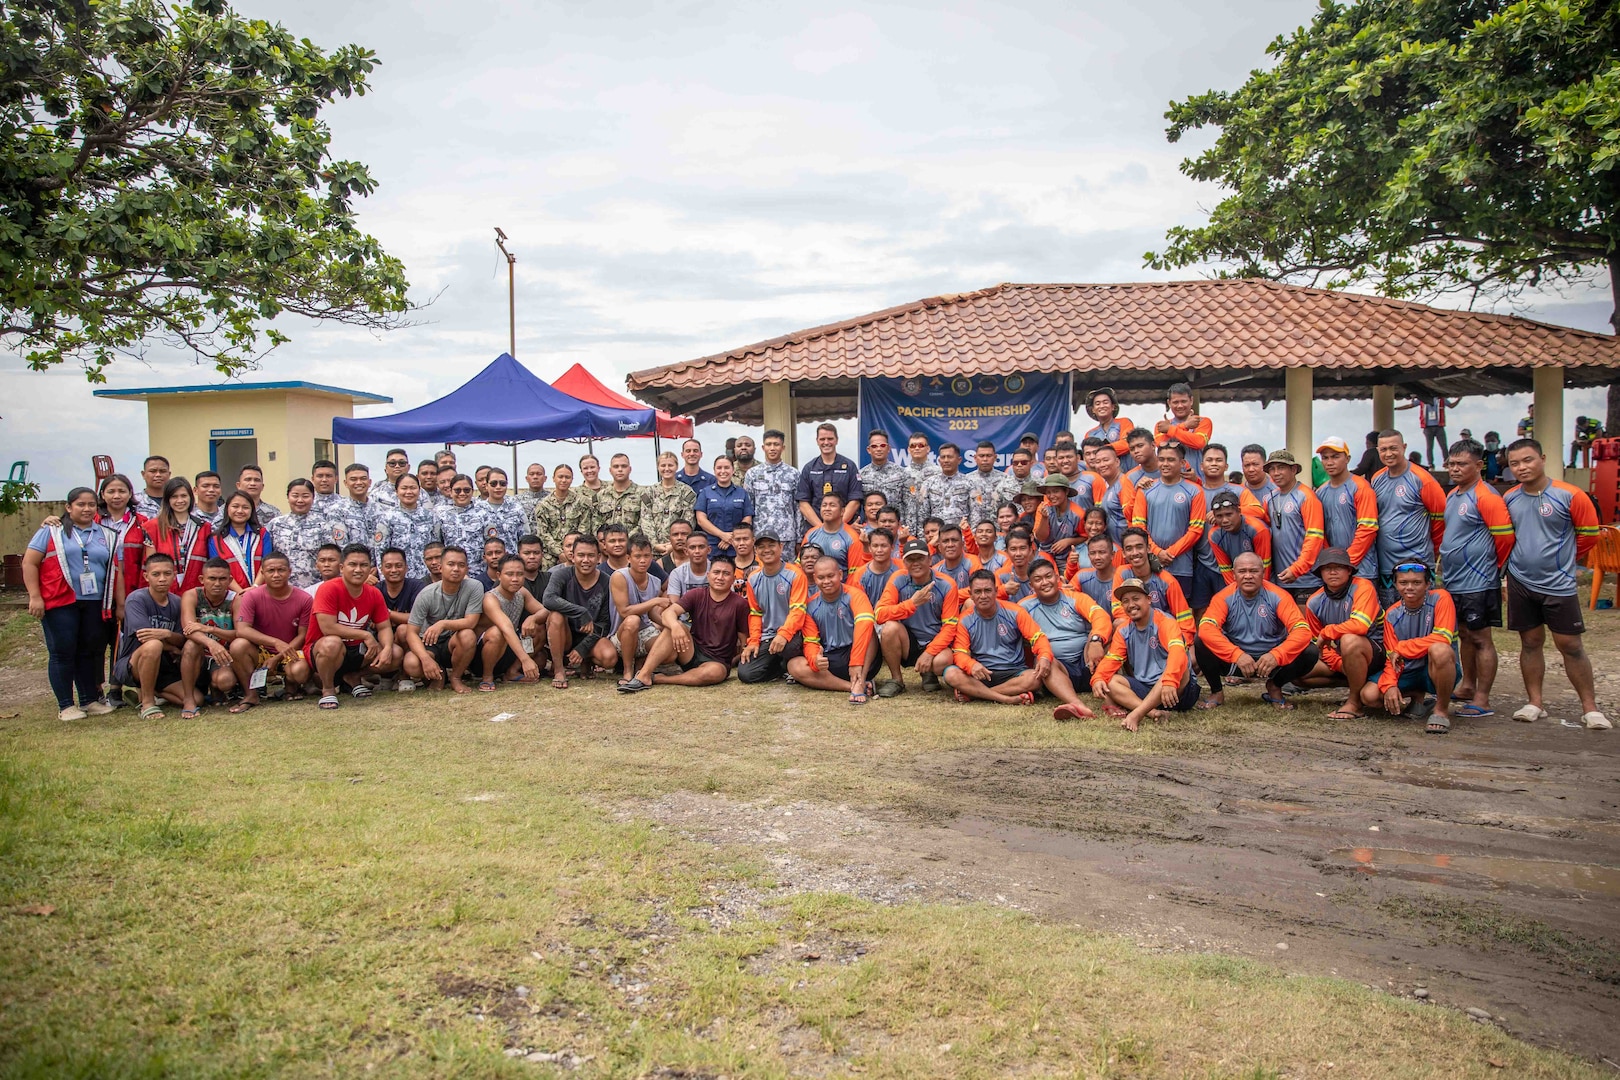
{"points": [[284, 422]]}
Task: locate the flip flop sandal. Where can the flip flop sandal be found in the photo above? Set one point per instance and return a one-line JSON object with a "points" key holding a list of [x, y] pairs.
{"points": [[151, 712], [1438, 724], [1281, 704], [190, 714], [1345, 714], [1026, 698], [1421, 708], [243, 706], [633, 686], [329, 701], [857, 698], [1208, 703], [1529, 714], [132, 696], [486, 687], [1072, 712], [360, 690], [1115, 712], [1472, 711], [560, 683], [961, 697], [1462, 699]]}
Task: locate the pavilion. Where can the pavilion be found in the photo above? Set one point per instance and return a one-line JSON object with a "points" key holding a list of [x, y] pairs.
{"points": [[1231, 339]]}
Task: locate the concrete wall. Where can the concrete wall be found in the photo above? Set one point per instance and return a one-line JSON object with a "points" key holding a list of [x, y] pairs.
{"points": [[17, 529], [285, 425]]}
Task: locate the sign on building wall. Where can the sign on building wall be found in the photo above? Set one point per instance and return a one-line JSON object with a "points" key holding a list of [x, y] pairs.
{"points": [[965, 410]]}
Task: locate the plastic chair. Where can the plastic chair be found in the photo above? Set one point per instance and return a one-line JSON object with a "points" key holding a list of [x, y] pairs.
{"points": [[1604, 559], [19, 473], [103, 465]]}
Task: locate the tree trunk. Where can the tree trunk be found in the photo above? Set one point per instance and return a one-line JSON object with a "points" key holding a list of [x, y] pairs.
{"points": [[1611, 423]]}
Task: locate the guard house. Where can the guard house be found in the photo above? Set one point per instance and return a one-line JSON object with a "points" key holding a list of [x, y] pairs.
{"points": [[284, 427]]}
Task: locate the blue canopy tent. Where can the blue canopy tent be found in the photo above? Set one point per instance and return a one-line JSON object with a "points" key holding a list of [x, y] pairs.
{"points": [[504, 403]]}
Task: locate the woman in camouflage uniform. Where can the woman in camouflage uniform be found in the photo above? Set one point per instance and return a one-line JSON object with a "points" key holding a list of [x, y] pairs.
{"points": [[299, 533], [558, 514], [409, 526], [665, 503]]}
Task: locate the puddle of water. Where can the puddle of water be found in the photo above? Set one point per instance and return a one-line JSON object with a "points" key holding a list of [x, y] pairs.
{"points": [[1584, 879]]}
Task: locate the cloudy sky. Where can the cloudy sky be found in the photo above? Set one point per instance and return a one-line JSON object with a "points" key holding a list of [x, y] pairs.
{"points": [[682, 178]]}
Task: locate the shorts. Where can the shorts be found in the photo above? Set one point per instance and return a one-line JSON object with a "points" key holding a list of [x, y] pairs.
{"points": [[1527, 610], [1335, 663], [1205, 584], [914, 650], [1478, 610], [838, 662], [168, 671], [768, 666], [505, 661], [1417, 678], [440, 651], [354, 657], [1001, 675], [1079, 674], [1185, 702], [644, 638], [699, 658]]}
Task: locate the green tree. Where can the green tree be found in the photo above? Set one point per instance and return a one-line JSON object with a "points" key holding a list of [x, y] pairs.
{"points": [[1421, 147], [163, 177]]}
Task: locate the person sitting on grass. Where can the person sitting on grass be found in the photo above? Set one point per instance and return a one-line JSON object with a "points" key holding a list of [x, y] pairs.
{"points": [[355, 637], [1420, 646], [440, 640], [954, 561], [839, 644], [693, 571], [706, 650], [637, 597], [511, 622], [1145, 671], [778, 593], [1343, 615], [916, 617], [206, 657], [149, 647], [399, 592], [1078, 629], [1253, 629], [987, 661], [272, 624], [577, 615]]}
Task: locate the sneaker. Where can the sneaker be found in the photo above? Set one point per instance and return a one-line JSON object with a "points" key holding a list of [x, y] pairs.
{"points": [[1596, 721], [99, 708], [112, 700], [72, 712], [405, 686]]}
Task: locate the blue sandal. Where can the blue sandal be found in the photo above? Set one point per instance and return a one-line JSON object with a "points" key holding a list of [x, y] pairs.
{"points": [[1471, 710]]}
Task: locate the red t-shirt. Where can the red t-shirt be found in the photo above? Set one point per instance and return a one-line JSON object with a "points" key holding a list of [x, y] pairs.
{"points": [[364, 612], [281, 619]]}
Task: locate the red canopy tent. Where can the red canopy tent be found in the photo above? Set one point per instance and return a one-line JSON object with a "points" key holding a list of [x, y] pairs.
{"points": [[576, 382]]}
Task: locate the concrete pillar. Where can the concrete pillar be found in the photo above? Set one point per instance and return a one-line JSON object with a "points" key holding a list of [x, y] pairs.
{"points": [[1383, 408], [1550, 430], [782, 413], [1297, 423]]}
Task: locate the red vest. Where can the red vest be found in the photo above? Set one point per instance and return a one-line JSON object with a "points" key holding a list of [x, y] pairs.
{"points": [[56, 577]]}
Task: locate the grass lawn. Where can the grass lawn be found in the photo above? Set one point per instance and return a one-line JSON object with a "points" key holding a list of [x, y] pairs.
{"points": [[405, 888]]}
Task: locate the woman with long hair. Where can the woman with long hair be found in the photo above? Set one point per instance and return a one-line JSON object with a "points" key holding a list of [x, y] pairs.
{"points": [[71, 571], [176, 532], [241, 541]]}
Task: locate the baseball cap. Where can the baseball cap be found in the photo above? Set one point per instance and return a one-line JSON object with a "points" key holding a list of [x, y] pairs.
{"points": [[915, 547], [768, 534], [1223, 500], [1130, 584], [1282, 457], [1334, 557], [1336, 444]]}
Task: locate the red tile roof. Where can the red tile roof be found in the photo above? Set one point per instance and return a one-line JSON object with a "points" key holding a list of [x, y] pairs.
{"points": [[1143, 336]]}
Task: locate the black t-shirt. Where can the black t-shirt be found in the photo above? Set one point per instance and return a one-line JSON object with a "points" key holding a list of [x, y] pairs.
{"points": [[408, 591]]}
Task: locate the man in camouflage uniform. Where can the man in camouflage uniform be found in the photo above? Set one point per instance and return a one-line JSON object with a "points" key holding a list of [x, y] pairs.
{"points": [[555, 515], [919, 470], [771, 485], [533, 488], [666, 502], [351, 518], [396, 463], [991, 489], [324, 475], [883, 473], [299, 533], [619, 502], [946, 495], [503, 516]]}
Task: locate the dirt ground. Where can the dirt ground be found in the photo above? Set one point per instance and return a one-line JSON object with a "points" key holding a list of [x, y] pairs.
{"points": [[1479, 871]]}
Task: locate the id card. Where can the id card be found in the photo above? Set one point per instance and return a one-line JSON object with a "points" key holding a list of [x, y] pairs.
{"points": [[259, 677], [528, 645], [87, 583]]}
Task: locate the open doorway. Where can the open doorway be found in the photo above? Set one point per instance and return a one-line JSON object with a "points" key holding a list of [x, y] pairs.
{"points": [[227, 456]]}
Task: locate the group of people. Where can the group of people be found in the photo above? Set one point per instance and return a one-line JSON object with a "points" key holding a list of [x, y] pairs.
{"points": [[1116, 567]]}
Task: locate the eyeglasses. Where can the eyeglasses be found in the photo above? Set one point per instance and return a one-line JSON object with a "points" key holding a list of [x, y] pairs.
{"points": [[398, 461], [495, 483], [461, 491]]}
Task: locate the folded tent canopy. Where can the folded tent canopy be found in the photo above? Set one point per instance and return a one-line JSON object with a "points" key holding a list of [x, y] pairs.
{"points": [[504, 403]]}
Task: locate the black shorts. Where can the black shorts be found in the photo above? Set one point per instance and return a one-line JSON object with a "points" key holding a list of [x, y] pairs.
{"points": [[354, 658], [440, 651], [1478, 610], [914, 650], [1527, 610], [1001, 675], [767, 666], [1079, 674], [838, 662], [168, 671], [699, 658]]}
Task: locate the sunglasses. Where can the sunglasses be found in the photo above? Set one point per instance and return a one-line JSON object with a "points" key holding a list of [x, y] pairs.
{"points": [[1412, 568], [494, 483]]}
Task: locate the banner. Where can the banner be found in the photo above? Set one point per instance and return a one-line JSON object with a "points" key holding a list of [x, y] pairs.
{"points": [[965, 410]]}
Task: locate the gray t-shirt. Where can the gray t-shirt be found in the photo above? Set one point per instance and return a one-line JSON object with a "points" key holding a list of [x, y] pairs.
{"points": [[682, 578], [433, 605]]}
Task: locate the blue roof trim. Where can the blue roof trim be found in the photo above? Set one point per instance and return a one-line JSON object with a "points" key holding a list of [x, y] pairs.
{"points": [[359, 397]]}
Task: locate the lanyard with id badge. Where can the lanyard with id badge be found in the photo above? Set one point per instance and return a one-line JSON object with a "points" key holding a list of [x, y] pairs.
{"points": [[87, 576]]}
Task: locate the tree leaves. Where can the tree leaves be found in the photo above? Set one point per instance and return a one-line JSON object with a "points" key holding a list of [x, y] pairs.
{"points": [[164, 176], [1421, 146]]}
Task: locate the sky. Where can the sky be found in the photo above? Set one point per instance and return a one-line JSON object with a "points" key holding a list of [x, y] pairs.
{"points": [[681, 178]]}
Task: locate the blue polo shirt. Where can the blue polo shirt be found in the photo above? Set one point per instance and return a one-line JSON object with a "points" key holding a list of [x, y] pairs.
{"points": [[703, 479], [726, 507]]}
